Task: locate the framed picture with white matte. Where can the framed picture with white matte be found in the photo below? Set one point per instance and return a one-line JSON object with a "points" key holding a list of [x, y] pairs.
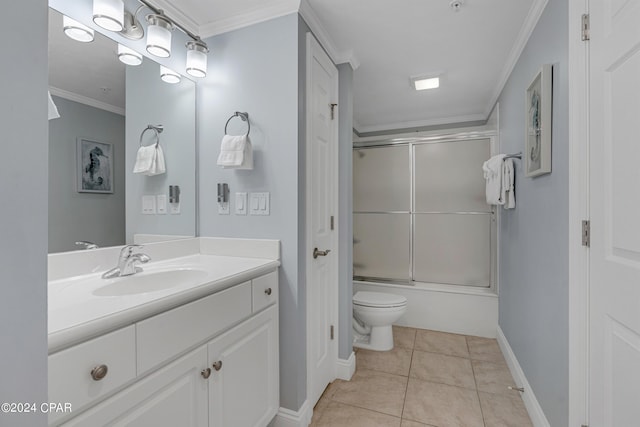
{"points": [[538, 124], [94, 166]]}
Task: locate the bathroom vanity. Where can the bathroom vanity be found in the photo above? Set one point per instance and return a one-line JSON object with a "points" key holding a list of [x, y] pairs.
{"points": [[190, 341]]}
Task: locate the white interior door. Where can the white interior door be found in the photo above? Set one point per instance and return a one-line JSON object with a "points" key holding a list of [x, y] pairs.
{"points": [[322, 92], [614, 371]]}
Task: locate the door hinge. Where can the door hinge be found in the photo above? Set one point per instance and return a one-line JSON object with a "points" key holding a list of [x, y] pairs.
{"points": [[331, 331], [586, 233], [332, 220], [585, 27], [333, 106]]}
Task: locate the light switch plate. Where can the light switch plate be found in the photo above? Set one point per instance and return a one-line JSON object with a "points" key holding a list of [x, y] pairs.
{"points": [[259, 203], [241, 203], [148, 205], [161, 204]]}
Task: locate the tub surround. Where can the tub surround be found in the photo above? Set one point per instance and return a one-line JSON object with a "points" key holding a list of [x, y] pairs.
{"points": [[79, 308], [443, 307]]}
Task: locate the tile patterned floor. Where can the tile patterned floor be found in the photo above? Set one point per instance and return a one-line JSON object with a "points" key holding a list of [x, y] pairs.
{"points": [[429, 379]]}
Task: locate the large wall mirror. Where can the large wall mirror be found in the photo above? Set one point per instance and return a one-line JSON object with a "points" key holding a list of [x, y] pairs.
{"points": [[104, 107]]}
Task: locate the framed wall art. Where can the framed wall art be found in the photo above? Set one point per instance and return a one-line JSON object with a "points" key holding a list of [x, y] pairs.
{"points": [[94, 166], [538, 123]]}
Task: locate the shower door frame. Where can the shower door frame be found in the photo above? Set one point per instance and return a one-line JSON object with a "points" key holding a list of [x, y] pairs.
{"points": [[412, 142]]}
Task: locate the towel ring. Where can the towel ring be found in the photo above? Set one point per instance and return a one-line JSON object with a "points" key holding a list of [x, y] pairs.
{"points": [[157, 130], [243, 116]]}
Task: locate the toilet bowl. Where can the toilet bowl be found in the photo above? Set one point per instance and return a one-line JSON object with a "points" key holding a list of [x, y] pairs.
{"points": [[373, 315]]}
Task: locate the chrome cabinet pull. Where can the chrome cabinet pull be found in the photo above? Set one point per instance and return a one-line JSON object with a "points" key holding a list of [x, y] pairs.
{"points": [[206, 373], [217, 365], [267, 291], [317, 253], [99, 372]]}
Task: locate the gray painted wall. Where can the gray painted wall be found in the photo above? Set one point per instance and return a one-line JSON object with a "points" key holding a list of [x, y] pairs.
{"points": [[74, 216], [345, 210], [255, 69], [149, 100], [534, 237], [23, 221]]}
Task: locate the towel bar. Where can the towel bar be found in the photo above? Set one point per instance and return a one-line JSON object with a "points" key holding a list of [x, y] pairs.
{"points": [[243, 116], [156, 129]]}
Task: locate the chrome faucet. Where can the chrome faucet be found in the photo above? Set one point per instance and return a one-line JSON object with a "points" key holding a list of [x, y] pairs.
{"points": [[127, 262], [87, 244]]}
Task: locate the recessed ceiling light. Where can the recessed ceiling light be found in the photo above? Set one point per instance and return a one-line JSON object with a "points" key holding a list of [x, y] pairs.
{"points": [[421, 83]]}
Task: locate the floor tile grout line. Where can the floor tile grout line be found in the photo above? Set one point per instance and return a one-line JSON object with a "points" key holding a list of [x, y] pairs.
{"points": [[366, 409], [406, 390], [484, 422]]}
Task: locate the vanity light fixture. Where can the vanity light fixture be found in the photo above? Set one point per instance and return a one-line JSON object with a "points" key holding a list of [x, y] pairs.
{"points": [[197, 58], [159, 35], [168, 75], [129, 56], [422, 83], [76, 30], [109, 14]]}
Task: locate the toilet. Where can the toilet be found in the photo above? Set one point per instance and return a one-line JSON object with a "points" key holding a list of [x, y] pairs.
{"points": [[373, 315]]}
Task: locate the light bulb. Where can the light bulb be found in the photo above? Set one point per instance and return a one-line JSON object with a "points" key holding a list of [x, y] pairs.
{"points": [[169, 76], [159, 36], [197, 58], [76, 30], [129, 56], [109, 14]]}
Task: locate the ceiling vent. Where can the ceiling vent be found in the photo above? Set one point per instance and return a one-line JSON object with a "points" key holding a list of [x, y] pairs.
{"points": [[456, 5]]}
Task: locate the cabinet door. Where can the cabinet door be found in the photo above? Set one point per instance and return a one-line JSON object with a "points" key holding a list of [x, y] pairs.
{"points": [[175, 395], [244, 383]]}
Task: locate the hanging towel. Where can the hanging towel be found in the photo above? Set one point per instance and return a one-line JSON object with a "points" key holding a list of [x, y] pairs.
{"points": [[150, 161], [53, 110], [236, 152], [508, 194], [492, 169]]}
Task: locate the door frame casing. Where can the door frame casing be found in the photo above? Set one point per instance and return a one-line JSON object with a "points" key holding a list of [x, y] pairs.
{"points": [[312, 45], [578, 211]]}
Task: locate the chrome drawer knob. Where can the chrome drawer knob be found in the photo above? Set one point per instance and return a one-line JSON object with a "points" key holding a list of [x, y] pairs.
{"points": [[217, 365], [267, 291], [99, 372], [206, 373]]}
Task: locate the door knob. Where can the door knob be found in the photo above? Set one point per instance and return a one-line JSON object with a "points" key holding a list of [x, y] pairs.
{"points": [[317, 253], [206, 373], [217, 365]]}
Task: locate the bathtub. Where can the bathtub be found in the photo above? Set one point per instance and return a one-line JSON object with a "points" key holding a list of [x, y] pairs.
{"points": [[447, 308]]}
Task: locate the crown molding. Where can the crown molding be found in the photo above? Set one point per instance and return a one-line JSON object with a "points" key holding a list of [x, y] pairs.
{"points": [[530, 22], [177, 15], [71, 96], [398, 126], [312, 20], [274, 10]]}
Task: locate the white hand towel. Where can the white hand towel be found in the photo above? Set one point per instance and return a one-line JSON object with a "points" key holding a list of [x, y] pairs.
{"points": [[53, 110], [157, 165], [236, 152], [493, 174], [508, 194], [150, 160]]}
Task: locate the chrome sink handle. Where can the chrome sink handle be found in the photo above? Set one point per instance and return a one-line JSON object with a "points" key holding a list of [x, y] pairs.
{"points": [[126, 262]]}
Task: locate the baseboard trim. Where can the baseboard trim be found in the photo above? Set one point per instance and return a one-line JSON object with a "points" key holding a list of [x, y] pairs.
{"points": [[530, 402], [346, 368], [288, 418]]}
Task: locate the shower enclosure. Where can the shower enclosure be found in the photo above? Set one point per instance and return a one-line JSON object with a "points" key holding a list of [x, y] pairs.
{"points": [[420, 214]]}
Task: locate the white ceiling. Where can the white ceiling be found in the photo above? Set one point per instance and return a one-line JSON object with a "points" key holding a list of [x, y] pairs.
{"points": [[387, 41]]}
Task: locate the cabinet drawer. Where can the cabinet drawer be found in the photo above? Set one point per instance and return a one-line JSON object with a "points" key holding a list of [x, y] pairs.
{"points": [[70, 370], [264, 291], [164, 336]]}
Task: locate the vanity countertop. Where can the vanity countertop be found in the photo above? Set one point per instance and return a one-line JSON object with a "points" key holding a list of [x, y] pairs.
{"points": [[85, 306]]}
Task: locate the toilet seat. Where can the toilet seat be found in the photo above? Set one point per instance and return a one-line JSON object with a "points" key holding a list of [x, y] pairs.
{"points": [[378, 299]]}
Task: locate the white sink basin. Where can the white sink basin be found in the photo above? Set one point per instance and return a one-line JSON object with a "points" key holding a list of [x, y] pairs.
{"points": [[149, 282]]}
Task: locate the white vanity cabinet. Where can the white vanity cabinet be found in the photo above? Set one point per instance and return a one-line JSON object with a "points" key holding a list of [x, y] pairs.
{"points": [[211, 362]]}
